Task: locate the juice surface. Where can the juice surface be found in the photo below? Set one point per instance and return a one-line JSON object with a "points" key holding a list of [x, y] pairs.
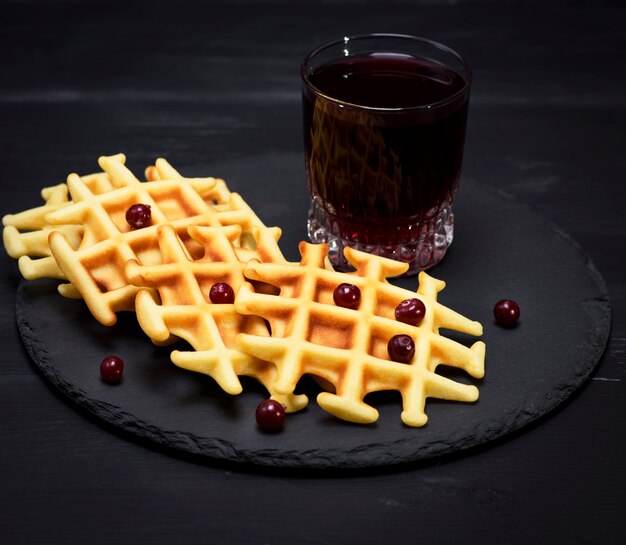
{"points": [[386, 81]]}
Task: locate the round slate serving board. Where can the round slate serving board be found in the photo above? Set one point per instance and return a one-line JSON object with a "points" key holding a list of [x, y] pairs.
{"points": [[501, 250]]}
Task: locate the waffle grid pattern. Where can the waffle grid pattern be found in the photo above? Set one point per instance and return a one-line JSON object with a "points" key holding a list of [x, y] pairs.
{"points": [[96, 268], [347, 348], [184, 310]]}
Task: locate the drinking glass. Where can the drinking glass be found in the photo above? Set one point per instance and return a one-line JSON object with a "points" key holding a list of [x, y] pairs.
{"points": [[384, 130]]}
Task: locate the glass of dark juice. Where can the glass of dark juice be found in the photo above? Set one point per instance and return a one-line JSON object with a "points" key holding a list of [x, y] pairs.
{"points": [[384, 129]]}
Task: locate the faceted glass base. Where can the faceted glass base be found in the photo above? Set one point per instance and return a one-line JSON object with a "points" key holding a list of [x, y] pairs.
{"points": [[427, 246]]}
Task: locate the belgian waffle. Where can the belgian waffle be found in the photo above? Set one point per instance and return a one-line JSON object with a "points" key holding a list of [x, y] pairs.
{"points": [[347, 348], [96, 268], [224, 201], [183, 308]]}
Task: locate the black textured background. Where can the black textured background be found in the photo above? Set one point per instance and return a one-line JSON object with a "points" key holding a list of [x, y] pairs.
{"points": [[213, 83]]}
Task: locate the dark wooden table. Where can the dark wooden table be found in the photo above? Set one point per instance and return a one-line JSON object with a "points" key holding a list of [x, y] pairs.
{"points": [[204, 83]]}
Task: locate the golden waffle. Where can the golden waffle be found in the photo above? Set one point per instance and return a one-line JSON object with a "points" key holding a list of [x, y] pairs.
{"points": [[25, 234], [186, 311], [96, 268], [348, 348], [224, 201]]}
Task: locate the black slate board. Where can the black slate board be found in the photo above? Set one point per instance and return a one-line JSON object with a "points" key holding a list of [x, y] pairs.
{"points": [[501, 250]]}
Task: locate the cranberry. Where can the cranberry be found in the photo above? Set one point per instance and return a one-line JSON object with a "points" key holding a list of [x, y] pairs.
{"points": [[401, 348], [506, 312], [270, 415], [222, 294], [347, 295], [111, 369], [410, 311], [139, 216]]}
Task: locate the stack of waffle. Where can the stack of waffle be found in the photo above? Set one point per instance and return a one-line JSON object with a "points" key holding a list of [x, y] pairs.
{"points": [[282, 323]]}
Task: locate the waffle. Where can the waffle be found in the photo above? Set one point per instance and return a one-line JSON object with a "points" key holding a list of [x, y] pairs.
{"points": [[224, 201], [183, 308], [25, 234], [96, 268], [347, 348]]}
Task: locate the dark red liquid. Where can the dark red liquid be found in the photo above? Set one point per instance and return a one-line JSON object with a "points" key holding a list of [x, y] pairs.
{"points": [[377, 172]]}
